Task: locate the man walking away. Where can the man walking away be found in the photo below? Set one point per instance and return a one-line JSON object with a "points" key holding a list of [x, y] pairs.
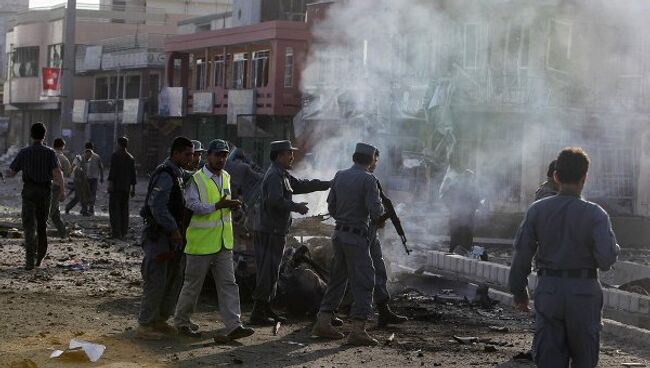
{"points": [[81, 188], [354, 203], [66, 169], [39, 166], [162, 242], [210, 240], [273, 222], [94, 172], [121, 185], [570, 239], [549, 187], [460, 195]]}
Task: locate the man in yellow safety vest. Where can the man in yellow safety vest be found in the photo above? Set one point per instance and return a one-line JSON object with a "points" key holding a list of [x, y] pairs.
{"points": [[209, 245]]}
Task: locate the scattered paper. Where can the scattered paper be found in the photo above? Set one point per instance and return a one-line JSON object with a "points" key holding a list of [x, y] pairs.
{"points": [[80, 350]]}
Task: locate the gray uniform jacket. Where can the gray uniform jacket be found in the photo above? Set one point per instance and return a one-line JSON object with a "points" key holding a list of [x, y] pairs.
{"points": [[354, 201], [563, 232], [276, 199], [547, 189], [160, 197]]}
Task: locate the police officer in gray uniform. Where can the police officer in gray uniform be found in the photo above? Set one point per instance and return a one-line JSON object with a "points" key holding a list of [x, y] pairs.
{"points": [[571, 239], [162, 242], [273, 222], [354, 203]]}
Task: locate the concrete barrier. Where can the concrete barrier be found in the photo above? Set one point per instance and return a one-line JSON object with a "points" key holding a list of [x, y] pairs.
{"points": [[497, 274]]}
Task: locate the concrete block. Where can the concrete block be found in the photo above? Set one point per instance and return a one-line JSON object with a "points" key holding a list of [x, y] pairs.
{"points": [[473, 265], [467, 266], [644, 305], [634, 303], [611, 298], [479, 270], [503, 276], [446, 263], [494, 273], [486, 271], [624, 301]]}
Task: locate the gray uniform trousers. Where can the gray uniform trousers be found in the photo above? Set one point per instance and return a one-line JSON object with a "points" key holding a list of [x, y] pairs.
{"points": [[568, 315], [268, 256], [55, 213], [196, 268], [381, 294], [352, 264], [162, 278]]}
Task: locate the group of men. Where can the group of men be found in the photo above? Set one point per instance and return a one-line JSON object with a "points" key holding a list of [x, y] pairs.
{"points": [[189, 232], [43, 172]]}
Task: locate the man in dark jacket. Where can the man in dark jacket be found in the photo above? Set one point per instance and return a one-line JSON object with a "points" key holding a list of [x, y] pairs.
{"points": [[549, 187], [121, 184], [273, 222], [162, 242]]}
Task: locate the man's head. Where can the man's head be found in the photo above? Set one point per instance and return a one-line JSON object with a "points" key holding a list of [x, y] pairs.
{"points": [[38, 131], [217, 155], [551, 169], [366, 155], [59, 144], [197, 153], [571, 167], [89, 146], [181, 152], [282, 154], [123, 142]]}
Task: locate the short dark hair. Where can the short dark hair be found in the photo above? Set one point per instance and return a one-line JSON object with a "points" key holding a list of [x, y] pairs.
{"points": [[38, 131], [89, 146], [551, 169], [59, 143], [179, 144], [123, 142], [363, 159], [572, 165]]}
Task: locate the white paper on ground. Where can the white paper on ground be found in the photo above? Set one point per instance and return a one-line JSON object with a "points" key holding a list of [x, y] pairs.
{"points": [[93, 351]]}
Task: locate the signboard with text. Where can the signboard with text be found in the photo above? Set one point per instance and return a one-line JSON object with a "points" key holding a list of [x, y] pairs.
{"points": [[171, 102]]}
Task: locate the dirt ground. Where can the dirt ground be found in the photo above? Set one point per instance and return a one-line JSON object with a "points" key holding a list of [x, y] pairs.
{"points": [[43, 310]]}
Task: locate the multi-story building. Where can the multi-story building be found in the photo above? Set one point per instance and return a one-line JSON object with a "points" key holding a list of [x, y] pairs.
{"points": [[237, 74], [35, 40], [512, 82], [7, 9]]}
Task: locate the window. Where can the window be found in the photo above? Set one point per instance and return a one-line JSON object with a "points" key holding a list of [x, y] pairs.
{"points": [[132, 86], [292, 10], [55, 55], [240, 69], [200, 74], [25, 62], [288, 67], [219, 68], [470, 49], [558, 52], [261, 68], [101, 88]]}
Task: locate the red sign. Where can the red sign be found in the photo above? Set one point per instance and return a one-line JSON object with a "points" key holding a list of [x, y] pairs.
{"points": [[51, 81]]}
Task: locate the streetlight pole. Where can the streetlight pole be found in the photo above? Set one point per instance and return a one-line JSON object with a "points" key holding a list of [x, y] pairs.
{"points": [[67, 70], [115, 118]]}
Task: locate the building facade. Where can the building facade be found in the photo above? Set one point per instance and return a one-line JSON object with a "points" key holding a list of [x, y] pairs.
{"points": [[240, 83]]}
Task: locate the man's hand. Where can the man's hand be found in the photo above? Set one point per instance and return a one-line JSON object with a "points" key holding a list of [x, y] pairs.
{"points": [[227, 203], [62, 195], [522, 305], [302, 208]]}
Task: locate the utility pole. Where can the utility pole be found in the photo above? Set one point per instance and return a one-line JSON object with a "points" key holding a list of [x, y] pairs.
{"points": [[67, 70], [115, 118]]}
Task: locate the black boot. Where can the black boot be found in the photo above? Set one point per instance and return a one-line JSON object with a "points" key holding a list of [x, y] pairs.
{"points": [[387, 317], [336, 321], [258, 315], [271, 314]]}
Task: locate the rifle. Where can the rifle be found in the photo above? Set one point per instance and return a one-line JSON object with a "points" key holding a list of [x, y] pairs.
{"points": [[392, 215]]}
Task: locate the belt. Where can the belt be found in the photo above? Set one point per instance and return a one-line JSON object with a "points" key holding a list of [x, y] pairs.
{"points": [[585, 273], [350, 229]]}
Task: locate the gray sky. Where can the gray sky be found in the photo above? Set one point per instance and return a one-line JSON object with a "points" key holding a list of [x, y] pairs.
{"points": [[40, 3]]}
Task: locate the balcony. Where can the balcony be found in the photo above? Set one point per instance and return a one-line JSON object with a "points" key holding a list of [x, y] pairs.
{"points": [[129, 111]]}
